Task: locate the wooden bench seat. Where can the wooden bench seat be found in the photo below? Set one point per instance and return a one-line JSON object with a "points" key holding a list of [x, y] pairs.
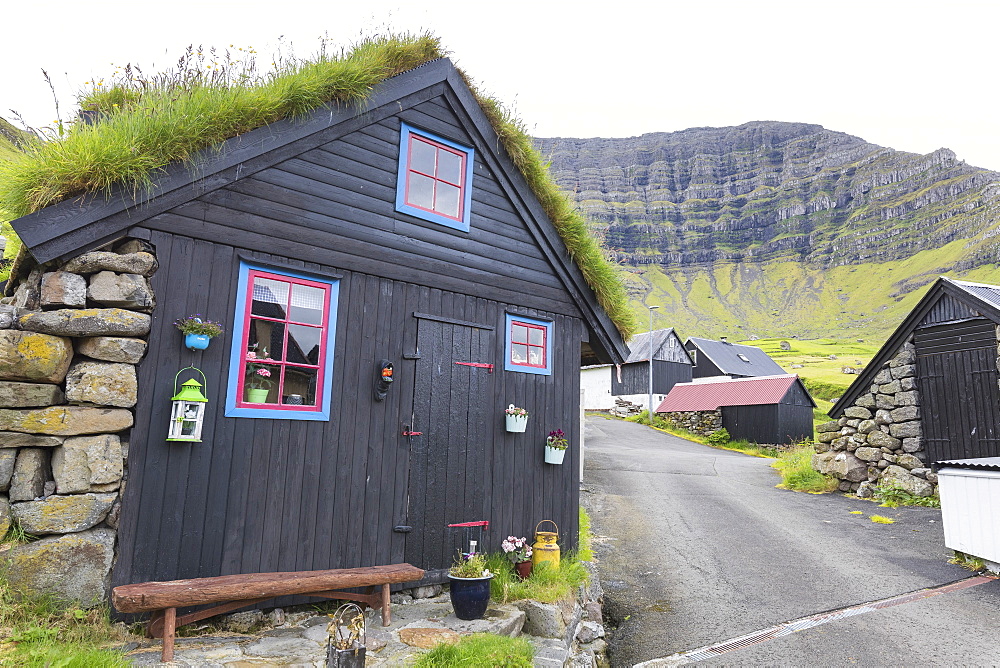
{"points": [[240, 591]]}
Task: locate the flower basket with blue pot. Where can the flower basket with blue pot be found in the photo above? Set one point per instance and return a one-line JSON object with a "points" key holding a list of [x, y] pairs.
{"points": [[198, 332], [470, 586]]}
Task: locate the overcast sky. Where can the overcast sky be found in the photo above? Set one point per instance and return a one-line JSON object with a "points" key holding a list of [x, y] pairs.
{"points": [[914, 75]]}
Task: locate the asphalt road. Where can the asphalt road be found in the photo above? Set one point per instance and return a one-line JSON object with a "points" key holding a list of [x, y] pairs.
{"points": [[697, 546]]}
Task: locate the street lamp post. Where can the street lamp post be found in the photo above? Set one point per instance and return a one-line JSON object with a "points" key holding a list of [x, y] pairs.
{"points": [[651, 363]]}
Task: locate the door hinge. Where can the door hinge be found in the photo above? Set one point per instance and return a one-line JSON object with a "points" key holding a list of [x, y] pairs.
{"points": [[480, 365]]}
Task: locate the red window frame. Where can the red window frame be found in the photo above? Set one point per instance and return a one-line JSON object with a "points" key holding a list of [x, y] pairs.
{"points": [[280, 366], [413, 137], [543, 346]]}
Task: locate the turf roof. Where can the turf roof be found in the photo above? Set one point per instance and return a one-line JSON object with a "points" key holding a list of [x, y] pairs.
{"points": [[146, 123]]}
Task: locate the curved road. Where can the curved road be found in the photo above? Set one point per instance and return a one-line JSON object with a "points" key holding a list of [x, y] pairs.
{"points": [[696, 546]]}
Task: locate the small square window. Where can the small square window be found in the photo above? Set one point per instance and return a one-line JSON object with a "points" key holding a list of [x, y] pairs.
{"points": [[281, 364], [528, 345], [435, 178]]}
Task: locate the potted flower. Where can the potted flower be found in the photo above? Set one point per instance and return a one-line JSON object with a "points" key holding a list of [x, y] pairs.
{"points": [[470, 586], [258, 377], [555, 447], [197, 331], [517, 418], [519, 552]]}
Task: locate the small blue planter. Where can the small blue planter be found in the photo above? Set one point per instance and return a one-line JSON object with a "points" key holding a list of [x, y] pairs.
{"points": [[196, 341], [470, 596]]}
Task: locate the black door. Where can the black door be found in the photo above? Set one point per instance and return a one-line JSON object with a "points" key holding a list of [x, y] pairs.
{"points": [[959, 397], [448, 461]]}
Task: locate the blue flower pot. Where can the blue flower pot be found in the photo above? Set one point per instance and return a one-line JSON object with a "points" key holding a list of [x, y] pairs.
{"points": [[196, 341], [470, 596]]}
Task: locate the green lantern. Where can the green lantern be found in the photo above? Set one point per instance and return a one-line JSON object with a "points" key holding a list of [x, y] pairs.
{"points": [[187, 416]]}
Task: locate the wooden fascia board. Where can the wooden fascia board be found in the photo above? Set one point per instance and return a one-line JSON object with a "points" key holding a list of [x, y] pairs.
{"points": [[88, 220], [892, 344], [526, 204]]}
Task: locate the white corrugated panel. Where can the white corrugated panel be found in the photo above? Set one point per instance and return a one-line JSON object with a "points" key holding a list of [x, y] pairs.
{"points": [[969, 503]]}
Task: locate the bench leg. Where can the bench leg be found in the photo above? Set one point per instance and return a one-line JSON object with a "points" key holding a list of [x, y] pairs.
{"points": [[169, 626], [386, 615]]}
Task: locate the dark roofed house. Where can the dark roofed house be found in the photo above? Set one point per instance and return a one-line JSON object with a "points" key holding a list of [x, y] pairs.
{"points": [[932, 388], [671, 365], [721, 358], [765, 409], [399, 229]]}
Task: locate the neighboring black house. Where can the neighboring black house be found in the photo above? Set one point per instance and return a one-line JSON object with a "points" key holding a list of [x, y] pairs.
{"points": [[770, 409], [721, 358], [934, 384], [400, 230], [671, 364]]}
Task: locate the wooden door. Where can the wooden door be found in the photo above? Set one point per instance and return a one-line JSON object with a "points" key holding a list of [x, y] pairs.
{"points": [[959, 397], [452, 397]]}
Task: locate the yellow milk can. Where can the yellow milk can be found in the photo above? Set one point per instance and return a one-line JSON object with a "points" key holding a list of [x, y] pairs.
{"points": [[545, 547]]}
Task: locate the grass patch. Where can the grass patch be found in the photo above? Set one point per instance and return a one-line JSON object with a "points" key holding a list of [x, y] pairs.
{"points": [[585, 550], [967, 561], [481, 649], [42, 632], [881, 519], [894, 497], [797, 473], [546, 584]]}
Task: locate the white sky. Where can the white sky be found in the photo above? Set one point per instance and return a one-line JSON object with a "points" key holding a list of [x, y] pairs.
{"points": [[911, 75]]}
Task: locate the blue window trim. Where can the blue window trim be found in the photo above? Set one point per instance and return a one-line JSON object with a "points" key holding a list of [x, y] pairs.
{"points": [[236, 353], [404, 153], [510, 366]]}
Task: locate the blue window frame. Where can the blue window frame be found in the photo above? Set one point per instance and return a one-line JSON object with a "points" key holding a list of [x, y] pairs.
{"points": [[281, 362], [434, 181], [528, 345]]}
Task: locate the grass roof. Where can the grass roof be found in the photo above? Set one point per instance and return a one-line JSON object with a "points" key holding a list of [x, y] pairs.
{"points": [[147, 122]]}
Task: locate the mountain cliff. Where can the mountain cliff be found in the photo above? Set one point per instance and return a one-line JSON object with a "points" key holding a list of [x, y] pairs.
{"points": [[775, 219]]}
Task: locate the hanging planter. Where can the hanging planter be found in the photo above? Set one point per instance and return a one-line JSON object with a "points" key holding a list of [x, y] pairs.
{"points": [[555, 447], [517, 419], [197, 332]]}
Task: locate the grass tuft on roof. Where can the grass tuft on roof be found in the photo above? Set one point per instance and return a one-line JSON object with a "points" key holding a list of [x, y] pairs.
{"points": [[137, 124]]}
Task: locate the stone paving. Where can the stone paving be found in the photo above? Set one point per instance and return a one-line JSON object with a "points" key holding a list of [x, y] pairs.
{"points": [[300, 639]]}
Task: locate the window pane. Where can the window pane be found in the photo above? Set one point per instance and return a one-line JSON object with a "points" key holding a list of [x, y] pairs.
{"points": [[261, 378], [449, 167], [422, 156], [300, 386], [267, 339], [421, 191], [447, 201], [269, 298], [519, 353], [518, 333], [307, 304], [535, 356], [303, 344], [536, 337]]}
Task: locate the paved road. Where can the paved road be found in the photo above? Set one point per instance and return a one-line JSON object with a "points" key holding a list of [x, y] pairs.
{"points": [[697, 546]]}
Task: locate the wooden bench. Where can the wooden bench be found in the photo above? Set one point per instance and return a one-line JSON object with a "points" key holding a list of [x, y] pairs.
{"points": [[240, 591]]}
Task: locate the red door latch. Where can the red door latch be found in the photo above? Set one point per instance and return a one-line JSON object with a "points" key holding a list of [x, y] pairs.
{"points": [[480, 365], [407, 432]]}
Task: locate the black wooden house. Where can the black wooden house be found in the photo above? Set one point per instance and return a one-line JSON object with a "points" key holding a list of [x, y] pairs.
{"points": [[950, 337], [671, 364], [722, 358], [400, 231]]}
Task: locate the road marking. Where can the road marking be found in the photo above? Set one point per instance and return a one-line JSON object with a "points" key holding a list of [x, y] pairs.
{"points": [[757, 637]]}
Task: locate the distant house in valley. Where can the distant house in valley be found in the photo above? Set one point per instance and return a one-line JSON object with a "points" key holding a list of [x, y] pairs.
{"points": [[766, 409], [671, 365], [721, 358]]}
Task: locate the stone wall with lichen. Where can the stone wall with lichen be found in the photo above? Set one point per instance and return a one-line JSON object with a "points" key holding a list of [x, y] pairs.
{"points": [[878, 441], [71, 334], [699, 422]]}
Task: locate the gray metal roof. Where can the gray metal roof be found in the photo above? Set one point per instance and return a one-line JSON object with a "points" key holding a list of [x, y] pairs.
{"points": [[638, 346], [987, 293], [735, 358], [979, 463]]}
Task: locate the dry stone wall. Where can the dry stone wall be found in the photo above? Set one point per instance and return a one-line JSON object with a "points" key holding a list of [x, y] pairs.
{"points": [[70, 337], [699, 422], [878, 440]]}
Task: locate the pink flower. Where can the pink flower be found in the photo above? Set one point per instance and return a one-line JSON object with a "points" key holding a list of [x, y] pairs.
{"points": [[264, 372], [251, 355]]}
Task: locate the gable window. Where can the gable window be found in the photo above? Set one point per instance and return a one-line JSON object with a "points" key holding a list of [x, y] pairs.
{"points": [[281, 365], [528, 345], [435, 178]]}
